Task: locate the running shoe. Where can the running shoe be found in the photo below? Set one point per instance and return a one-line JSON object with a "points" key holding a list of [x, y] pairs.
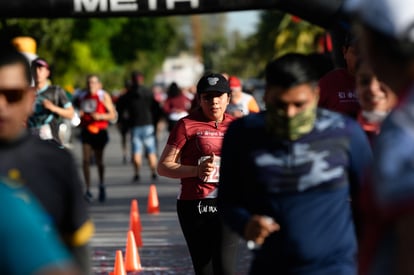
{"points": [[136, 178]]}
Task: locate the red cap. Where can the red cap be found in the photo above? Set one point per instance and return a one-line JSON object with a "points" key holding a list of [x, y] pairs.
{"points": [[234, 82]]}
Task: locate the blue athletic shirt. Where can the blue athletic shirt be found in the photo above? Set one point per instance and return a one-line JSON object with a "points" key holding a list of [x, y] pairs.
{"points": [[28, 240], [304, 185]]}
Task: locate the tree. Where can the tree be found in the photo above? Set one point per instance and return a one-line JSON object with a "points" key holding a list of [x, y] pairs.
{"points": [[110, 47], [276, 34]]}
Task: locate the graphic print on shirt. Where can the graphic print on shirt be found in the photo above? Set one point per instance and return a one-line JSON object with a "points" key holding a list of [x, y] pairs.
{"points": [[89, 105], [209, 142], [347, 96], [306, 167]]}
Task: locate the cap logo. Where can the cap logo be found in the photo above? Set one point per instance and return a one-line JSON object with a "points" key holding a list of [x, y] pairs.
{"points": [[212, 80]]}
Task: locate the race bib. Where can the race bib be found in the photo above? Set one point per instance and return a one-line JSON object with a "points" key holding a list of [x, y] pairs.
{"points": [[214, 176]]}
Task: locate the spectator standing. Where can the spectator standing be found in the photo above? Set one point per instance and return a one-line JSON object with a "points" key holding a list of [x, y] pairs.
{"points": [[288, 189], [192, 154], [48, 171], [139, 103], [337, 87], [241, 103], [52, 104], [386, 41], [176, 106], [96, 109]]}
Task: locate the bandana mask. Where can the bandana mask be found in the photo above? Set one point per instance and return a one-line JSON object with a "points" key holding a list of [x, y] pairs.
{"points": [[280, 125]]}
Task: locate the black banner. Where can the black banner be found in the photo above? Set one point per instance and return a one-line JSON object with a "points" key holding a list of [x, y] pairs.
{"points": [[321, 12]]}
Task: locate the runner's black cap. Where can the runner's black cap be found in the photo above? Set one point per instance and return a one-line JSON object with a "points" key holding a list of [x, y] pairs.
{"points": [[213, 82]]}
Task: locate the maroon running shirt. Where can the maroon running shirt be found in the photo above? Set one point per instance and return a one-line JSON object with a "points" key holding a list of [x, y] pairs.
{"points": [[197, 137], [337, 92]]}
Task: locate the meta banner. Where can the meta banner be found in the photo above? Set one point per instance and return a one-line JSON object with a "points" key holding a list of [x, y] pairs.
{"points": [[321, 12]]}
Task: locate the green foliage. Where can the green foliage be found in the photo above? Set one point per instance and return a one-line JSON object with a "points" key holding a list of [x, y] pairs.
{"points": [[50, 34], [110, 47], [113, 47], [276, 35], [142, 34]]}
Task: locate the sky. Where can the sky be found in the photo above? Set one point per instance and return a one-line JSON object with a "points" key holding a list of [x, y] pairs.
{"points": [[243, 21]]}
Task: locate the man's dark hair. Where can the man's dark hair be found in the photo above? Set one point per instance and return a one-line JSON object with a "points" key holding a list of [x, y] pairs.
{"points": [[290, 70], [9, 56]]}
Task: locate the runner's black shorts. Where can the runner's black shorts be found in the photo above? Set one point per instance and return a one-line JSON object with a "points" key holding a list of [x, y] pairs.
{"points": [[97, 141]]}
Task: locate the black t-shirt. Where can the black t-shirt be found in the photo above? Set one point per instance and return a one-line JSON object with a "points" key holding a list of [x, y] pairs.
{"points": [[50, 173], [139, 103]]}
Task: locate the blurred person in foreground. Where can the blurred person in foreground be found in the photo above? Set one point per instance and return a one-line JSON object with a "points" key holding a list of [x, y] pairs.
{"points": [[385, 30], [29, 241], [192, 154], [48, 171], [290, 183], [375, 97], [51, 106]]}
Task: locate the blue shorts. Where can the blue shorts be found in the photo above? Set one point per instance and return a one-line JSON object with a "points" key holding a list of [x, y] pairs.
{"points": [[143, 138]]}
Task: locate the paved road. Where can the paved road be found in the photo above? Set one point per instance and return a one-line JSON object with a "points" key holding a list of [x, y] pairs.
{"points": [[164, 250]]}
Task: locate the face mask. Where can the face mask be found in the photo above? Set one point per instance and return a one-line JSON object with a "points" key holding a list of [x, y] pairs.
{"points": [[374, 116], [280, 125]]}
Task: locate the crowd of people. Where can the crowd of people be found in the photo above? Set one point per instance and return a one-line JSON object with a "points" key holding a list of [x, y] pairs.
{"points": [[317, 182]]}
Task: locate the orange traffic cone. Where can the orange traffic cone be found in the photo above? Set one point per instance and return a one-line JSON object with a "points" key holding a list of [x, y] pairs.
{"points": [[134, 222], [153, 206], [132, 259], [134, 205], [135, 227], [119, 268]]}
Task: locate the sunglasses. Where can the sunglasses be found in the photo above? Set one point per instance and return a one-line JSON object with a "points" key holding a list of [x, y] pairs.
{"points": [[12, 95]]}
